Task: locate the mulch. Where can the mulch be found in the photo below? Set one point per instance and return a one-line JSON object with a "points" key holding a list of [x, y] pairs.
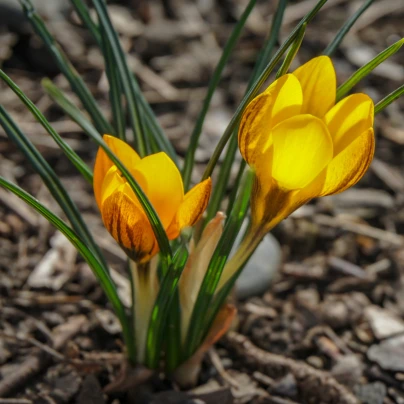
{"points": [[330, 329]]}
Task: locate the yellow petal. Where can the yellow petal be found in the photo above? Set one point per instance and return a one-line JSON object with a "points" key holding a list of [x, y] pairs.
{"points": [[162, 183], [191, 209], [349, 166], [318, 80], [302, 148], [281, 100], [102, 162], [112, 181], [128, 225], [349, 119]]}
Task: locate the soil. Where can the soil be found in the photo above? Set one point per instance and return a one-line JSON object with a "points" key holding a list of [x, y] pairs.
{"points": [[330, 329]]}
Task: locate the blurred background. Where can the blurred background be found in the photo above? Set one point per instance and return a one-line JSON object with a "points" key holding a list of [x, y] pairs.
{"points": [[337, 299]]}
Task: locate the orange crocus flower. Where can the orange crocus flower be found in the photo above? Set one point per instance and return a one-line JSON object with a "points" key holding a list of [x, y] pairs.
{"points": [[160, 180]]}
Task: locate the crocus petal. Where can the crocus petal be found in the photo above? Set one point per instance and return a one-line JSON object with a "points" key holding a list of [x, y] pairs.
{"points": [[281, 100], [160, 179], [318, 80], [196, 267], [349, 119], [349, 166], [191, 209], [302, 148], [128, 225], [112, 181], [102, 162]]}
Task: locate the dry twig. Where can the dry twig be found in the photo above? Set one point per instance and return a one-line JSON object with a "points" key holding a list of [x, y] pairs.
{"points": [[312, 383]]}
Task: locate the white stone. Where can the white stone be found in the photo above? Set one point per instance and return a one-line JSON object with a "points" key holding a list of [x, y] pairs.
{"points": [[383, 323]]}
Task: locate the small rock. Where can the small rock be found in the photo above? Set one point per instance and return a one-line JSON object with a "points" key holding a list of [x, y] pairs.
{"points": [[383, 323], [348, 370], [286, 386], [108, 321], [260, 269], [315, 361], [389, 354], [372, 393]]}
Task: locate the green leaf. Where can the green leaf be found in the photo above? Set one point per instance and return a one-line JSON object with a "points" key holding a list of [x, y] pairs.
{"points": [[115, 89], [111, 36], [332, 47], [101, 274], [219, 190], [389, 99], [173, 349], [292, 52], [235, 188], [85, 17], [51, 181], [162, 306], [67, 69], [159, 141], [69, 152], [197, 327], [266, 52], [193, 144], [343, 89], [67, 105], [255, 88]]}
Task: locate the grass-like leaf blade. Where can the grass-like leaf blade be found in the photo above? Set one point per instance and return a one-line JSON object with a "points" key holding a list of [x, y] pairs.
{"points": [[111, 36], [103, 276], [85, 17], [266, 52], [193, 144], [115, 89], [51, 181], [386, 101], [162, 306], [333, 45], [154, 131], [292, 52], [362, 72], [69, 152], [197, 326], [67, 68]]}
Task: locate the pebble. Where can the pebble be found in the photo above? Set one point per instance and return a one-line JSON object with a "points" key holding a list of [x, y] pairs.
{"points": [[389, 354], [287, 386], [372, 393], [383, 323], [260, 269], [348, 370]]}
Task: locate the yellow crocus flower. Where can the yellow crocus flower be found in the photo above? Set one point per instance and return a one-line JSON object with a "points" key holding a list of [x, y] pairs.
{"points": [[160, 180], [301, 145]]}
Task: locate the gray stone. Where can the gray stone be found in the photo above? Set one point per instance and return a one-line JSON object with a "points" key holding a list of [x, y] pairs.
{"points": [[260, 269], [389, 354], [383, 323], [372, 393]]}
